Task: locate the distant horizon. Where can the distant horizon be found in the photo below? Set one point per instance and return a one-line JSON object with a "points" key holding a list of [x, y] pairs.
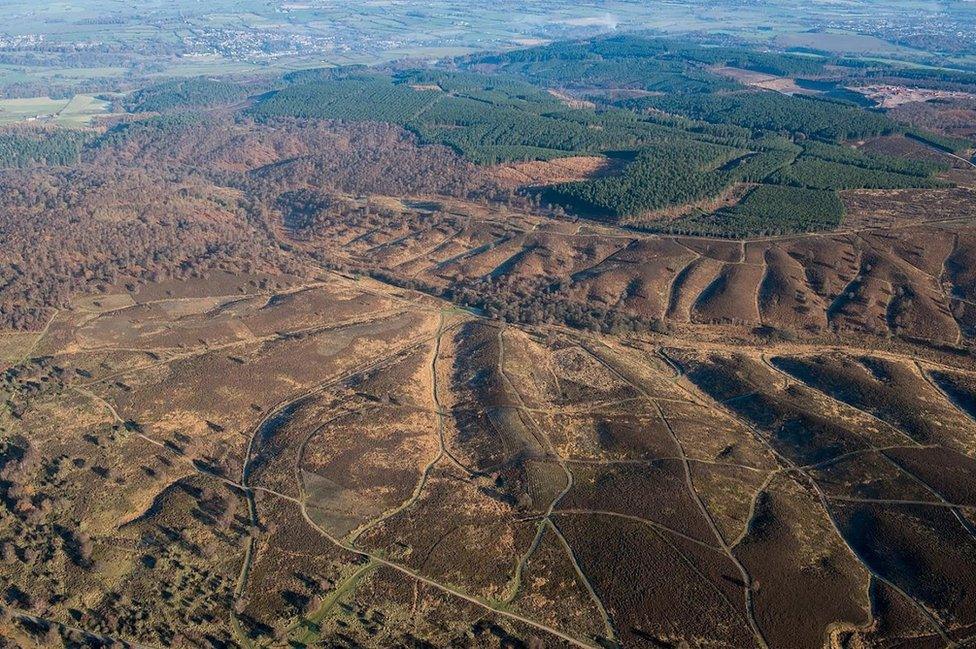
{"points": [[186, 38]]}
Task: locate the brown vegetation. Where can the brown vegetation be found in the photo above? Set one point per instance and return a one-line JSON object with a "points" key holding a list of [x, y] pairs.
{"points": [[310, 383]]}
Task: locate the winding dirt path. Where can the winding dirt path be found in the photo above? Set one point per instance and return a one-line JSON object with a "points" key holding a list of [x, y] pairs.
{"points": [[547, 517], [253, 450], [442, 450], [693, 492], [788, 464]]}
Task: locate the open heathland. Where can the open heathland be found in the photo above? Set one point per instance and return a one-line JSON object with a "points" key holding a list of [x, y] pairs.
{"points": [[592, 343]]}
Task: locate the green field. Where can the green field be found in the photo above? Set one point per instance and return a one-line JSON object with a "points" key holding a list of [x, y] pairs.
{"points": [[77, 111]]}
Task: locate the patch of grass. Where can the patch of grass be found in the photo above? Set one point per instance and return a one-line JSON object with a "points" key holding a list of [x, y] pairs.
{"points": [[13, 346], [308, 629]]}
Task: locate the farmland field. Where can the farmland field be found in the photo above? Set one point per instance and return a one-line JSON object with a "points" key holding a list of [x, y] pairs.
{"points": [[76, 111]]}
